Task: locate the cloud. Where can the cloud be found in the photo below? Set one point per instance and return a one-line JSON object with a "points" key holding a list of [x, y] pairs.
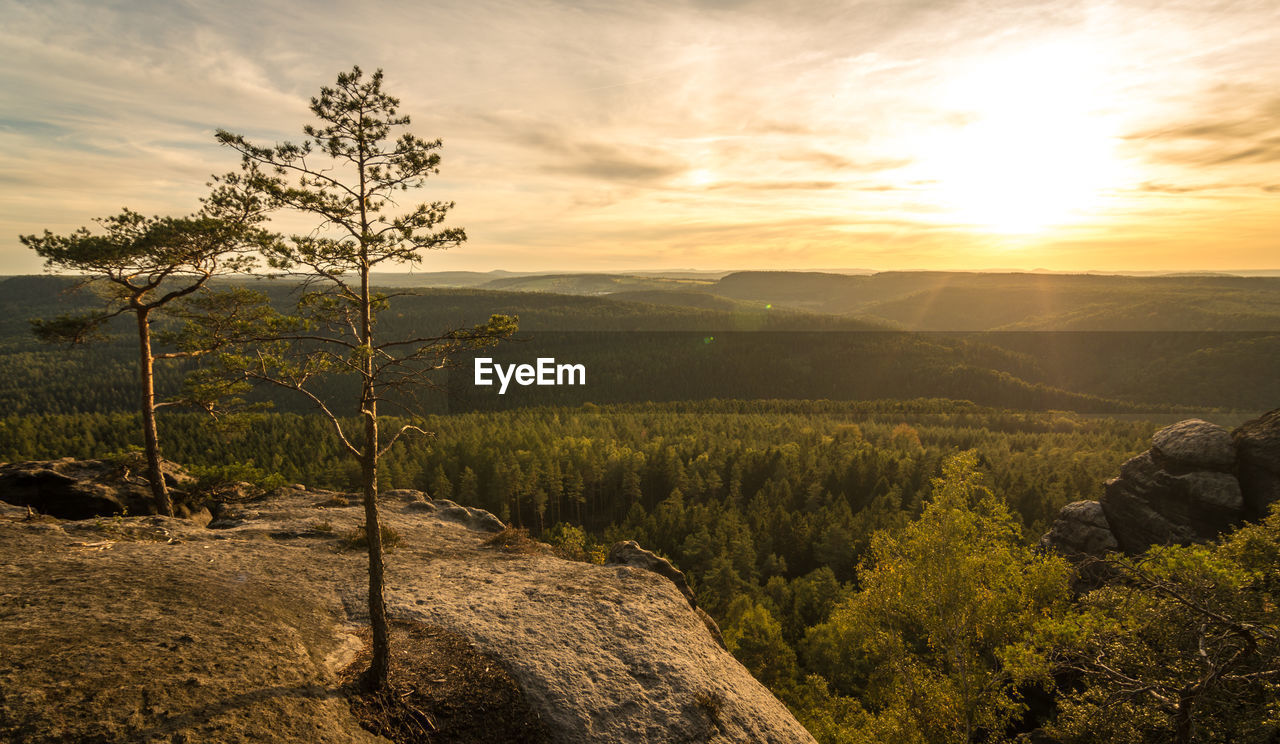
{"points": [[1240, 134], [559, 149], [615, 163], [832, 161], [1155, 187], [776, 185], [590, 123], [816, 185], [1266, 151]]}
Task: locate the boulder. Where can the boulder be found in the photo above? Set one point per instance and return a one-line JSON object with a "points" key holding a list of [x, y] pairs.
{"points": [[1195, 445], [42, 487], [1080, 529], [1258, 460], [1150, 505], [81, 489], [1183, 489], [200, 515]]}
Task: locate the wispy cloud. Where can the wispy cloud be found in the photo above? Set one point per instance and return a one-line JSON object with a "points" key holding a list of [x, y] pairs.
{"points": [[618, 135]]}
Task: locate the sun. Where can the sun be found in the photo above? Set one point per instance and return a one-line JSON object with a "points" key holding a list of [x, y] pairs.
{"points": [[1030, 146]]}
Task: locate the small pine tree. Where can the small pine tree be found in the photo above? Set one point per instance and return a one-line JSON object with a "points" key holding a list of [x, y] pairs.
{"points": [[349, 175], [148, 267]]}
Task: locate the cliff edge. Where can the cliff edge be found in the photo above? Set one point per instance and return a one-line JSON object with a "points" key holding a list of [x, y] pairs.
{"points": [[154, 629]]}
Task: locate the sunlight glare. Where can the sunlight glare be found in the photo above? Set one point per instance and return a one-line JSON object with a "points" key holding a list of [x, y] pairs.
{"points": [[1033, 150], [700, 178]]}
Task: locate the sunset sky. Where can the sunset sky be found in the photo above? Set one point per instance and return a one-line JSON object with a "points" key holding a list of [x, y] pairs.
{"points": [[615, 136]]}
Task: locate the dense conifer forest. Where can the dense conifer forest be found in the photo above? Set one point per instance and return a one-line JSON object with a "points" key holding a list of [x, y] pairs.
{"points": [[777, 510]]}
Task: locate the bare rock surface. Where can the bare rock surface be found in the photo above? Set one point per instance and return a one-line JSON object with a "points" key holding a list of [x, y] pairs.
{"points": [[1196, 445], [1081, 528], [1150, 505], [79, 489], [476, 519], [1258, 451], [1196, 482], [629, 553], [149, 629]]}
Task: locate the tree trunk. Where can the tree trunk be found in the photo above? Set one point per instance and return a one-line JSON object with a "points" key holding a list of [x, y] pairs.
{"points": [[380, 666], [146, 364], [1182, 720]]}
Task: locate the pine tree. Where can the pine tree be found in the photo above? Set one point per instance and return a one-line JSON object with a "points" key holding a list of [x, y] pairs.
{"points": [[147, 267], [348, 175]]}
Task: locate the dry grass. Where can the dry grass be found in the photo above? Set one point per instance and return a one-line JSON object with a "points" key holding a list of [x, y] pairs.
{"points": [[515, 540], [441, 690], [358, 539]]}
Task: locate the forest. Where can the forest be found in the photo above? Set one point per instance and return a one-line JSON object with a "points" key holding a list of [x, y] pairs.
{"points": [[813, 474], [740, 351], [782, 514]]}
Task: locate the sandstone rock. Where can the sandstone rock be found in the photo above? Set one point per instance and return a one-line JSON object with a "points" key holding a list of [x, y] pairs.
{"points": [[81, 489], [175, 476], [481, 520], [606, 655], [1196, 445], [1180, 491], [1081, 529], [41, 486], [13, 511], [201, 516], [712, 626], [228, 515], [330, 499], [237, 491], [629, 553], [1258, 452], [403, 494], [469, 516], [1149, 505]]}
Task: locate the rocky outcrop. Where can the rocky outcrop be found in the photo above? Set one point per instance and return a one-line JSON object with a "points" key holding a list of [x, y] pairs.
{"points": [[468, 516], [1196, 445], [1081, 529], [157, 629], [80, 489], [1160, 501], [1196, 482], [629, 553], [1258, 461]]}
